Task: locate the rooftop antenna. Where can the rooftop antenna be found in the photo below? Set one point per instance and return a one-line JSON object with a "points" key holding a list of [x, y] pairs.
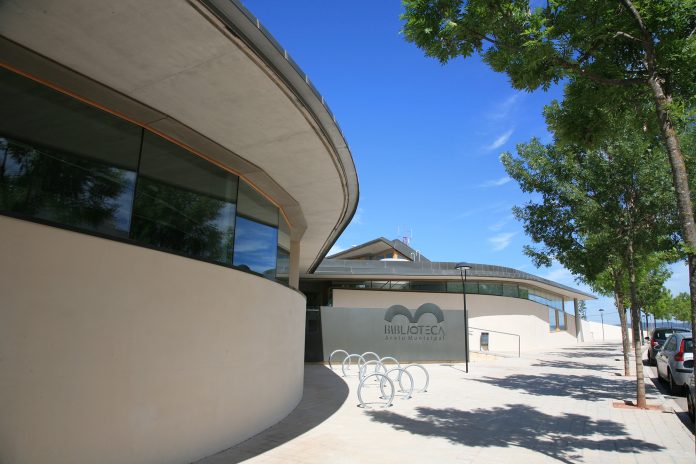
{"points": [[405, 234]]}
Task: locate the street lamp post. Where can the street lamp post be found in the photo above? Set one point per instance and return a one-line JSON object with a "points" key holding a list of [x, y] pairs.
{"points": [[462, 273], [601, 313]]}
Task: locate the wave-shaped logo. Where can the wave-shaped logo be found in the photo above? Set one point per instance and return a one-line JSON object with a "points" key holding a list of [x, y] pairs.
{"points": [[425, 308]]}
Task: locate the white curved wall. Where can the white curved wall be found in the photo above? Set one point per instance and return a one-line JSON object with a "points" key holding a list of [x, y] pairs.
{"points": [[116, 353], [513, 315]]}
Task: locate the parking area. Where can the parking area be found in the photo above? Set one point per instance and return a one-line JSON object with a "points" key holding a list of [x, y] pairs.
{"points": [[555, 406]]}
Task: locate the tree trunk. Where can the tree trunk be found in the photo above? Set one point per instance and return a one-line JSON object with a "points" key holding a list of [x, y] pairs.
{"points": [[680, 179], [618, 301], [635, 322]]}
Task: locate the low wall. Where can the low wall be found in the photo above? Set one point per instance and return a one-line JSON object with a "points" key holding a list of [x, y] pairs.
{"points": [[593, 331], [113, 353], [356, 323]]}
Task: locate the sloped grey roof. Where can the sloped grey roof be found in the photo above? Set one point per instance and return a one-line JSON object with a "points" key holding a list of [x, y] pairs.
{"points": [[397, 244], [363, 269]]}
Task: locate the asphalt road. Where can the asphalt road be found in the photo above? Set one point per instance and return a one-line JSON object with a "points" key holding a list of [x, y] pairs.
{"points": [[680, 400], [664, 389]]}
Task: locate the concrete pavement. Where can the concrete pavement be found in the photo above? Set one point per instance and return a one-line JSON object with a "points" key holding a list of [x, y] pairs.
{"points": [[555, 406]]}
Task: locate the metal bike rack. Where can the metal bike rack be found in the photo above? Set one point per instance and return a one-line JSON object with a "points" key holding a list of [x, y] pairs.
{"points": [[401, 371], [390, 359], [378, 366], [332, 355], [427, 378], [370, 353], [383, 378], [347, 359]]}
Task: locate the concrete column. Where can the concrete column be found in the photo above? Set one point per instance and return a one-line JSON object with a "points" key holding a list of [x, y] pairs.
{"points": [[294, 274], [578, 322]]}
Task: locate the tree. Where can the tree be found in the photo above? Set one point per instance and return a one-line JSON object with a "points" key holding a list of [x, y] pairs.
{"points": [[611, 54], [582, 310], [598, 209], [681, 307], [612, 282]]}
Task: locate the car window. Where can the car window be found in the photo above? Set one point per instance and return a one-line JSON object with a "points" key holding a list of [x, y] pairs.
{"points": [[671, 344], [688, 345]]}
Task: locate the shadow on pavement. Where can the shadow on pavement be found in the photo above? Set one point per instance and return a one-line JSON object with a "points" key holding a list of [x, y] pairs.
{"points": [[580, 387], [324, 393], [576, 365], [586, 353], [560, 437]]}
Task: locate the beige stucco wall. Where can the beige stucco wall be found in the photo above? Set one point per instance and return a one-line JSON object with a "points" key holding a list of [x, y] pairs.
{"points": [[113, 353], [593, 331], [513, 315]]}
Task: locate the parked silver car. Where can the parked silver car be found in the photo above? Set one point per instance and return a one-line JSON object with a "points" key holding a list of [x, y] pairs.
{"points": [[675, 361]]}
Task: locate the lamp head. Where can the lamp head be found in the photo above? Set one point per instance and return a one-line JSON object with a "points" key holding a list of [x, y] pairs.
{"points": [[464, 266], [601, 310]]}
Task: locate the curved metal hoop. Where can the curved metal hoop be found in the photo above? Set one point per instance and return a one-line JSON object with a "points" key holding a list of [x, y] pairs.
{"points": [[390, 359], [370, 353], [348, 358], [383, 378], [427, 378], [378, 366], [401, 371], [333, 353]]}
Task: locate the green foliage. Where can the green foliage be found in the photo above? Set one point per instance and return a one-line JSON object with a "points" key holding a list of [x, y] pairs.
{"points": [[681, 307], [594, 40], [592, 203]]}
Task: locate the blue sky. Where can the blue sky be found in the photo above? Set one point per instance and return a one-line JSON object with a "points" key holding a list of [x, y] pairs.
{"points": [[426, 138]]}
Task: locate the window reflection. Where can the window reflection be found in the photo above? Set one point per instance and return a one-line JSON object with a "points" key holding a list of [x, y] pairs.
{"points": [[175, 219], [184, 203], [255, 247], [72, 164], [64, 188]]}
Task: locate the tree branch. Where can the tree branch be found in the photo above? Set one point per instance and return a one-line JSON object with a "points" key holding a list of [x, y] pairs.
{"points": [[599, 79], [628, 36]]}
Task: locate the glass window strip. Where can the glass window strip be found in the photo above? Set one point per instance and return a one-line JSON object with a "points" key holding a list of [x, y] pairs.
{"points": [[89, 174]]}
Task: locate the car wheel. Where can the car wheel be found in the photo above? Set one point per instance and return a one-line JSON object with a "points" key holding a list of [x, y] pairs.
{"points": [[690, 405], [674, 389]]}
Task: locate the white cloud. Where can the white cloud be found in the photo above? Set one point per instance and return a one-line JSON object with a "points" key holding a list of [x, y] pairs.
{"points": [[358, 217], [497, 182], [500, 224], [501, 241], [503, 109], [560, 275], [501, 140]]}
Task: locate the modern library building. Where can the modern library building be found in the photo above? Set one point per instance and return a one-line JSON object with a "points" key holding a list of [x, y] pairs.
{"points": [[387, 297], [170, 185]]}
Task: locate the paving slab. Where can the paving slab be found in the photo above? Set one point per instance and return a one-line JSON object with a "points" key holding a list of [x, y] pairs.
{"points": [[550, 406]]}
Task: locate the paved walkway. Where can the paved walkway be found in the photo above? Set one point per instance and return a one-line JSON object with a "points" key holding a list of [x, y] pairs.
{"points": [[545, 407]]}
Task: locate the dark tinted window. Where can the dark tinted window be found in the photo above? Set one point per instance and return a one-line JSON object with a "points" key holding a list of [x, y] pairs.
{"points": [[425, 286], [511, 290], [490, 289], [688, 345], [69, 163], [671, 344], [64, 161], [183, 203]]}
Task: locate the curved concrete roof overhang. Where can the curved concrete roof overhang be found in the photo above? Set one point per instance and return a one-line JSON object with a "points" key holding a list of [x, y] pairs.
{"points": [[206, 75], [348, 269]]}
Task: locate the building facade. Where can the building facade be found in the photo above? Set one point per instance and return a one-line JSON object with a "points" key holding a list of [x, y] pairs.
{"points": [[386, 297], [166, 174]]}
